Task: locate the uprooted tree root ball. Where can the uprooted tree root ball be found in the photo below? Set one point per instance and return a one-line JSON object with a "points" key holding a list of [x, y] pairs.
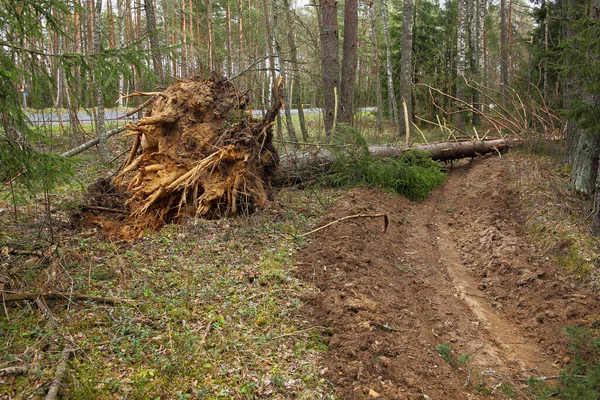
{"points": [[196, 152]]}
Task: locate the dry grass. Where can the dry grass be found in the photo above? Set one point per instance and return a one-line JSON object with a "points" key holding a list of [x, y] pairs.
{"points": [[211, 309], [556, 217]]}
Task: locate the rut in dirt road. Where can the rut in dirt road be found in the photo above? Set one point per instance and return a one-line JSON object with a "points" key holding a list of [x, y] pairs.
{"points": [[456, 272]]}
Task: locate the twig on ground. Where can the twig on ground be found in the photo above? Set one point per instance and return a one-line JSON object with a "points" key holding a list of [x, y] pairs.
{"points": [[59, 296], [384, 326], [14, 371], [548, 378], [386, 222], [61, 370], [44, 309], [107, 209], [299, 332]]}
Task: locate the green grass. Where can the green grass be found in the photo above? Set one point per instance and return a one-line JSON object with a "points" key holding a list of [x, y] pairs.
{"points": [[211, 309], [445, 351]]}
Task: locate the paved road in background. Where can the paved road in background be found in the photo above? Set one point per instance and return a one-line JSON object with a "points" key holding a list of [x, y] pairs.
{"points": [[111, 115]]}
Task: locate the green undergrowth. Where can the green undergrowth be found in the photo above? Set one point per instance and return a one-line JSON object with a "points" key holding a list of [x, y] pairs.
{"points": [[580, 380], [208, 309], [414, 174]]}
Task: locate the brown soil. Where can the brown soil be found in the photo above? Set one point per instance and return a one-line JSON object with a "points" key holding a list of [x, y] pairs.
{"points": [[196, 152], [458, 268]]}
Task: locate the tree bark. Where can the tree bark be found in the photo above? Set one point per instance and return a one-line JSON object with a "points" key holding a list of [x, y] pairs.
{"points": [[297, 94], [330, 65], [154, 45], [211, 35], [392, 104], [100, 127], [288, 115], [406, 66], [503, 48], [375, 42], [302, 166], [349, 61], [461, 46]]}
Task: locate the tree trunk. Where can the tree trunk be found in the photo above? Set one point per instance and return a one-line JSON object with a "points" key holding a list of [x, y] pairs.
{"points": [[585, 176], [406, 67], [229, 49], [297, 94], [349, 61], [154, 45], [476, 53], [330, 65], [503, 49], [302, 166], [461, 46], [375, 43], [101, 129], [211, 35], [392, 104], [282, 72]]}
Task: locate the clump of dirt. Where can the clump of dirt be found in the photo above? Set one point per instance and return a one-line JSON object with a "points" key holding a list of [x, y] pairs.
{"points": [[453, 277], [196, 152]]}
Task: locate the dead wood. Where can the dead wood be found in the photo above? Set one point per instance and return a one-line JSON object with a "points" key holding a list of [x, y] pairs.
{"points": [[14, 371], [60, 373], [386, 222], [83, 147], [7, 297], [196, 152], [301, 166]]}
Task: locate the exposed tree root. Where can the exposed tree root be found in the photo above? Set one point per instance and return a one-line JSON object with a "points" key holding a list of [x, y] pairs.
{"points": [[196, 152]]}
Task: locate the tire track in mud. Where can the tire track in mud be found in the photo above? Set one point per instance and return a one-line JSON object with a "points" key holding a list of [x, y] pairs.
{"points": [[455, 269]]}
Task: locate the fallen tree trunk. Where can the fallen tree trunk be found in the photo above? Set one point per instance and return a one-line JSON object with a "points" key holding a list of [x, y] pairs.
{"points": [[301, 166], [83, 147]]}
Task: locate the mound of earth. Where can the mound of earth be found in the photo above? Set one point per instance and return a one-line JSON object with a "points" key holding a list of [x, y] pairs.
{"points": [[457, 275], [196, 152]]}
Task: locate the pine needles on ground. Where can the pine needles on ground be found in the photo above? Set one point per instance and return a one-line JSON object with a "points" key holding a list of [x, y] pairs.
{"points": [[413, 175]]}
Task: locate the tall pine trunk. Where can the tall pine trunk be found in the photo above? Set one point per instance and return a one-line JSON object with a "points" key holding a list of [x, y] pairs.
{"points": [[375, 43], [349, 61], [461, 47], [406, 67], [330, 64], [101, 129], [154, 45], [392, 104]]}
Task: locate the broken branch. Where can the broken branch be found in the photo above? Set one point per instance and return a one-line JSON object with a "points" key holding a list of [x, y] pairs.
{"points": [[61, 370], [386, 222], [59, 296]]}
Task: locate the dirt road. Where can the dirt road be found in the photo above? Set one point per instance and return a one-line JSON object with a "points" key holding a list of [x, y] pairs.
{"points": [[456, 275]]}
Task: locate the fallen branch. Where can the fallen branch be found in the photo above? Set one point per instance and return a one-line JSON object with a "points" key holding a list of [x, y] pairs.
{"points": [[61, 370], [106, 209], [386, 222], [549, 378], [58, 296], [17, 252], [14, 371], [90, 143], [298, 332]]}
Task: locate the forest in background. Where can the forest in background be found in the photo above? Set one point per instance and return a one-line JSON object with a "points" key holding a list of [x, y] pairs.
{"points": [[463, 67]]}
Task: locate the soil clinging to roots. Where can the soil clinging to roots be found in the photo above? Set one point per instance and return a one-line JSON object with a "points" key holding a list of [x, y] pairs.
{"points": [[196, 152]]}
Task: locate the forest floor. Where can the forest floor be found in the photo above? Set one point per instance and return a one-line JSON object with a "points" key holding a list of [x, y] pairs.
{"points": [[466, 295]]}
